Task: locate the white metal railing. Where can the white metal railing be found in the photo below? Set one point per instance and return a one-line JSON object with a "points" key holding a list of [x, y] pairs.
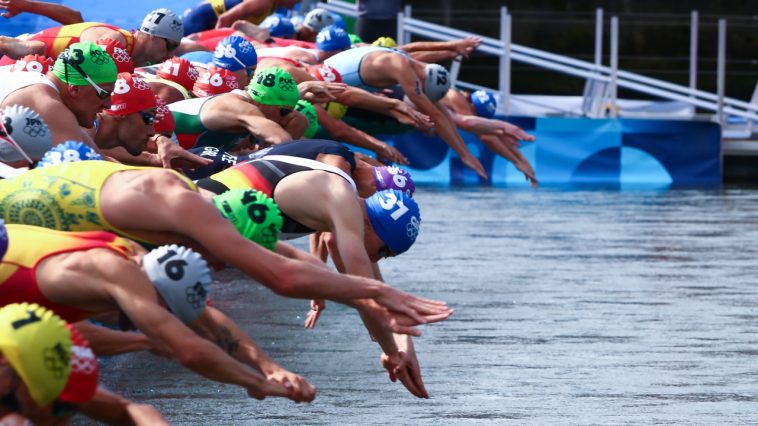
{"points": [[608, 75]]}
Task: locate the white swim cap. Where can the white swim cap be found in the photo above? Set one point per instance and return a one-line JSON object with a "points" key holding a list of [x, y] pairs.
{"points": [[181, 277], [318, 19], [163, 23], [27, 129], [437, 82]]}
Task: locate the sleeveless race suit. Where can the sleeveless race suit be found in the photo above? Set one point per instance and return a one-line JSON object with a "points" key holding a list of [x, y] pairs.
{"points": [[13, 81], [348, 63], [192, 133], [264, 175], [30, 245], [204, 16], [57, 39], [64, 196]]}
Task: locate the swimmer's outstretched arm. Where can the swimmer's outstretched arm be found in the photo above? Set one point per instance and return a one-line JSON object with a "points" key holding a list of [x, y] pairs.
{"points": [[217, 327], [106, 342], [57, 12], [112, 409]]}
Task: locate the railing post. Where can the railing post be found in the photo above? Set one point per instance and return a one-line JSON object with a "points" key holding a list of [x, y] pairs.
{"points": [[406, 35], [693, 50], [614, 64], [598, 37], [504, 83], [400, 27], [721, 71]]}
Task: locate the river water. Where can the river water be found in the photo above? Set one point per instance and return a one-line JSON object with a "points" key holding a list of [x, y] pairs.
{"points": [[572, 307]]}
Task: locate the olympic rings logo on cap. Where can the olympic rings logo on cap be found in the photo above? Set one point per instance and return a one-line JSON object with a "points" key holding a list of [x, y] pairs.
{"points": [[196, 295], [83, 360], [413, 227]]}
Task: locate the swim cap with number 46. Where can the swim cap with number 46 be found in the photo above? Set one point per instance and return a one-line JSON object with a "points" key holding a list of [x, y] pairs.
{"points": [[253, 213], [274, 86], [395, 218]]}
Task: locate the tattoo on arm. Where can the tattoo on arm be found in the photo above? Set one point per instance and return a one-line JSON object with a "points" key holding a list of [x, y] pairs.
{"points": [[226, 341], [418, 87]]}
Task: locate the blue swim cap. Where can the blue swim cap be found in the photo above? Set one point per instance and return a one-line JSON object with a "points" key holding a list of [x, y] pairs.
{"points": [[235, 53], [3, 239], [278, 26], [339, 20], [484, 103], [68, 152], [332, 38], [395, 218]]}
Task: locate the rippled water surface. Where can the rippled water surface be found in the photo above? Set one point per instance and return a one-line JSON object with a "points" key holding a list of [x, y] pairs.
{"points": [[572, 307]]}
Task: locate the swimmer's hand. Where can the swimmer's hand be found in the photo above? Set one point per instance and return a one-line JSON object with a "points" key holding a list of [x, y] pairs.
{"points": [[13, 7], [410, 116], [320, 91], [317, 306], [174, 156], [300, 389], [417, 309], [268, 388], [386, 153], [405, 367]]}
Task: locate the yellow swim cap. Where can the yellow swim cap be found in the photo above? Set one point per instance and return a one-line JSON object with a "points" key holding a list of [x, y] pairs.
{"points": [[385, 42], [37, 344], [335, 110]]}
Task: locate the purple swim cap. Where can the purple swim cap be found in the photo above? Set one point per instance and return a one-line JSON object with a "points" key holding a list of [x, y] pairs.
{"points": [[3, 239], [391, 177]]}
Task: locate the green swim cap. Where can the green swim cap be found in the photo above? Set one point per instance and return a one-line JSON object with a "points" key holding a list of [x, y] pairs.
{"points": [[89, 58], [354, 38], [253, 213], [273, 86], [306, 108]]}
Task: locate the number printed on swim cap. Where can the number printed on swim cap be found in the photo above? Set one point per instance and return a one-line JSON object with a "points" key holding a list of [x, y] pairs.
{"points": [[392, 201], [225, 51], [121, 87]]}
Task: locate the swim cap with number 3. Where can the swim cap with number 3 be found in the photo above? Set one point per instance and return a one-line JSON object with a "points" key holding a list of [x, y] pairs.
{"points": [[253, 213], [395, 218]]}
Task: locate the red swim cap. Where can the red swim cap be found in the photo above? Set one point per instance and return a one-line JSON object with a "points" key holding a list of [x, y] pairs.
{"points": [[130, 94], [325, 73], [82, 382], [164, 120], [118, 53], [179, 71], [214, 82], [33, 63]]}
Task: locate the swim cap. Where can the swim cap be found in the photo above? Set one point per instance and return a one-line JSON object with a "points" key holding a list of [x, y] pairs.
{"points": [[437, 82], [23, 132], [131, 94], [3, 239], [253, 213], [181, 277], [306, 108], [395, 218], [339, 20], [235, 53], [164, 119], [85, 372], [91, 59], [484, 103], [274, 86], [215, 81], [325, 73], [163, 23], [390, 177], [68, 152], [297, 20], [335, 110], [178, 70], [317, 19], [33, 63], [355, 38], [332, 38], [385, 42], [278, 26], [120, 56], [37, 344]]}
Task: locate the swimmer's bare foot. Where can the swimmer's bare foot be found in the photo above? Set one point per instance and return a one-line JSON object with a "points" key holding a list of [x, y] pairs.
{"points": [[17, 49], [251, 30]]}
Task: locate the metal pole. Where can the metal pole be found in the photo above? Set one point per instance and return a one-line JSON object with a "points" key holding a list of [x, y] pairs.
{"points": [[504, 83], [693, 50], [721, 70], [406, 35], [400, 27], [598, 37], [614, 63]]}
